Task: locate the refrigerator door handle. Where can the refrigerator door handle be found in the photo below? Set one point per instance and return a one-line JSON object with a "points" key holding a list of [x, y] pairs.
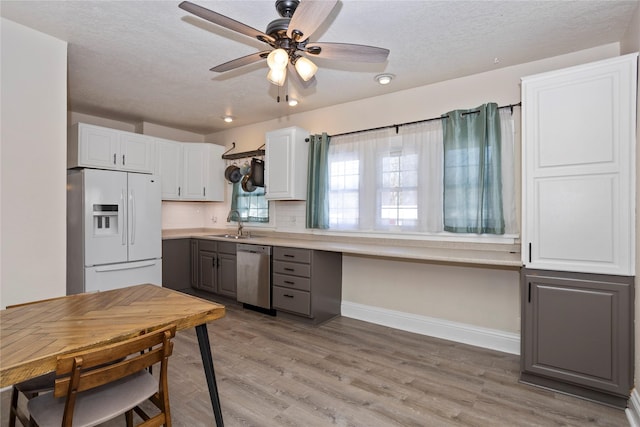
{"points": [[122, 218], [132, 202], [128, 266]]}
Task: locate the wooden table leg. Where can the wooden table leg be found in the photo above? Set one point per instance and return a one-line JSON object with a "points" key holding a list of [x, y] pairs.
{"points": [[207, 363]]}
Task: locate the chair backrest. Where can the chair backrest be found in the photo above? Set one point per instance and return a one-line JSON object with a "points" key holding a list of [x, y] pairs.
{"points": [[81, 371]]}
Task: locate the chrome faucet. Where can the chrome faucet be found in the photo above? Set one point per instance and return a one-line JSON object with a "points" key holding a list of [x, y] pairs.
{"points": [[239, 220]]}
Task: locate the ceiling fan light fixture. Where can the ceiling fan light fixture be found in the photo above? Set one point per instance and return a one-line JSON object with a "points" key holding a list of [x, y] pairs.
{"points": [[278, 59], [227, 119], [384, 79], [277, 76], [305, 68], [293, 102]]}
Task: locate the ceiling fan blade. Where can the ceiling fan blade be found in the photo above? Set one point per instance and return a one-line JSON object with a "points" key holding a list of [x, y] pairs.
{"points": [[347, 52], [240, 62], [224, 21], [305, 85], [309, 15]]}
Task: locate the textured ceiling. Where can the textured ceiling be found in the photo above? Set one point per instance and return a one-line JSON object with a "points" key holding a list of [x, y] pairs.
{"points": [[149, 60]]}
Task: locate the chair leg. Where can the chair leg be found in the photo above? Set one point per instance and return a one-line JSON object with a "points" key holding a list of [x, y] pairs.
{"points": [[13, 408], [129, 417], [15, 412]]}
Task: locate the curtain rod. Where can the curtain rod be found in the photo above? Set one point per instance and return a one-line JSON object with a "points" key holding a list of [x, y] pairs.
{"points": [[510, 106]]}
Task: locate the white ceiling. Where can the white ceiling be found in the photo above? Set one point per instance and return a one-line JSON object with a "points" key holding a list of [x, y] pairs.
{"points": [[149, 60]]}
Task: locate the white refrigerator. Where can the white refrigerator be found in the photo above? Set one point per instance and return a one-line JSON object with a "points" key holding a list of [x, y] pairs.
{"points": [[114, 236]]}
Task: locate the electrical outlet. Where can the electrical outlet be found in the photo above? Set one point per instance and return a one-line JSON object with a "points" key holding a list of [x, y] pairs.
{"points": [[214, 219]]}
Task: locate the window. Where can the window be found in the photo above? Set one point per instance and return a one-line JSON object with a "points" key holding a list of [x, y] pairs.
{"points": [[380, 181], [344, 193], [253, 207], [398, 193]]}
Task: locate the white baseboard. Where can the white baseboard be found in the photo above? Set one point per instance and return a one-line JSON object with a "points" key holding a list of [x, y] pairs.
{"points": [[459, 332], [633, 409]]}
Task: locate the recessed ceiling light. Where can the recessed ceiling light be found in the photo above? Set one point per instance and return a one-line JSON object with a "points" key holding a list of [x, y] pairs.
{"points": [[384, 79], [227, 119], [293, 102]]}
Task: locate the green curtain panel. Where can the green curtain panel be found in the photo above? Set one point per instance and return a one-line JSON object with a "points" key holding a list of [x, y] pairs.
{"points": [[318, 182], [472, 171]]}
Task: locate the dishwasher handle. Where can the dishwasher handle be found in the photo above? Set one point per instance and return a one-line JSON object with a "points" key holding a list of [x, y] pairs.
{"points": [[254, 249]]}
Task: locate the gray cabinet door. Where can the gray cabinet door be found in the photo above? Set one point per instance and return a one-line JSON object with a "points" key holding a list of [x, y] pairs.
{"points": [[577, 329], [176, 264], [207, 279], [226, 274], [194, 256]]}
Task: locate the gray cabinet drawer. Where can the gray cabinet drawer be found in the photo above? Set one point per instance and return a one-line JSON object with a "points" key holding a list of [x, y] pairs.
{"points": [[227, 248], [292, 300], [292, 254], [208, 245], [296, 269], [294, 282]]}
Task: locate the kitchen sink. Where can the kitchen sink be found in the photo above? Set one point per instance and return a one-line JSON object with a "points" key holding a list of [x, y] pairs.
{"points": [[230, 236]]}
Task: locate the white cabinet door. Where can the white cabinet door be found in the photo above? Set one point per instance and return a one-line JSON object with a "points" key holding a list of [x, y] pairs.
{"points": [[578, 162], [96, 146], [136, 152], [104, 148], [195, 164], [190, 171], [286, 164], [169, 168], [215, 177]]}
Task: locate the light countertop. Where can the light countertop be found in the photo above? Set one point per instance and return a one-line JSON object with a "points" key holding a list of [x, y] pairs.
{"points": [[479, 254]]}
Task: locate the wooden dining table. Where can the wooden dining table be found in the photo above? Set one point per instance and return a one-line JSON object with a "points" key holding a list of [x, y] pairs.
{"points": [[33, 335]]}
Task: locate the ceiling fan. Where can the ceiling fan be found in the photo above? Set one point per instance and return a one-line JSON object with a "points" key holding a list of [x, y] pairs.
{"points": [[289, 39]]}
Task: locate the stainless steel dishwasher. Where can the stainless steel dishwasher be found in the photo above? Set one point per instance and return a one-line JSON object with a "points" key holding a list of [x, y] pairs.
{"points": [[254, 275]]}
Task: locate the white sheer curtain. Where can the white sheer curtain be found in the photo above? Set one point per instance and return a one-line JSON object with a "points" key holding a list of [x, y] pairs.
{"points": [[393, 182], [383, 181], [507, 130]]}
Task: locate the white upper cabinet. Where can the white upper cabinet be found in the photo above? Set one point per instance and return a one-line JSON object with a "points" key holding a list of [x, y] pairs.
{"points": [[578, 127], [104, 148], [286, 164], [169, 168], [190, 171]]}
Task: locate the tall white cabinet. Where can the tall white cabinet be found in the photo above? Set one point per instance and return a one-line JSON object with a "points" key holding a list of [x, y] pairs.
{"points": [[286, 164], [578, 229], [578, 128]]}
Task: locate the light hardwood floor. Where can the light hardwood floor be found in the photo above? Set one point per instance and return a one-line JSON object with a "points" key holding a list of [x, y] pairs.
{"points": [[278, 372]]}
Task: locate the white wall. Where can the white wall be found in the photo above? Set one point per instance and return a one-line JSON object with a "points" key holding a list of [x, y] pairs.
{"points": [[630, 44], [33, 165], [486, 298], [165, 132]]}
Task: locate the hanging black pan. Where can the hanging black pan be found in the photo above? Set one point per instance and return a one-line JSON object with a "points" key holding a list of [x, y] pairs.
{"points": [[257, 172]]}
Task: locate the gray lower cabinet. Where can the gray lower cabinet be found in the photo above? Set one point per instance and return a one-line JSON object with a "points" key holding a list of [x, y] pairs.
{"points": [[577, 334], [176, 264], [307, 283], [216, 267]]}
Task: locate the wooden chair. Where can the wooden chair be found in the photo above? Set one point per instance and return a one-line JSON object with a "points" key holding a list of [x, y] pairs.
{"points": [[96, 385]]}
